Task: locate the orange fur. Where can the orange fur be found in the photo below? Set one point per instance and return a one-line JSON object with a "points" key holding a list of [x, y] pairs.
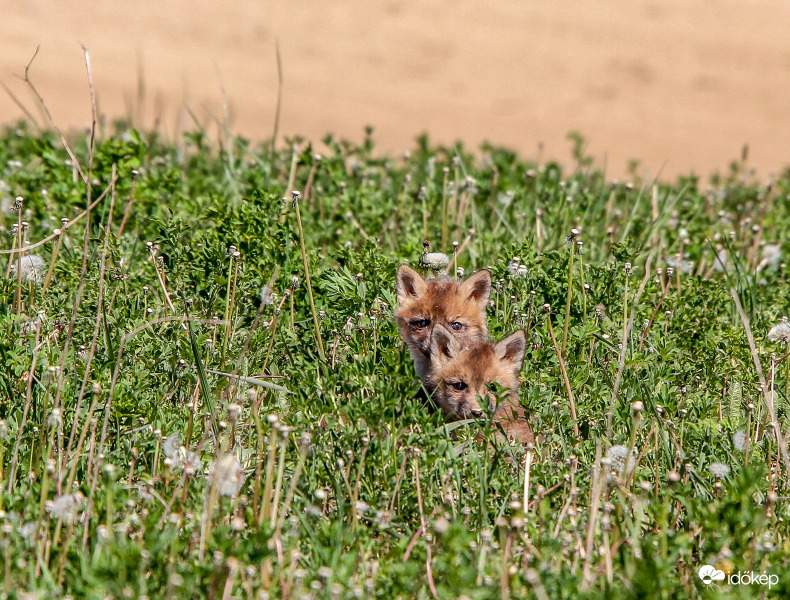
{"points": [[462, 372], [460, 307]]}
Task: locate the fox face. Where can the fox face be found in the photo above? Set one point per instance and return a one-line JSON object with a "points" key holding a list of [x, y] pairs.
{"points": [[457, 306], [464, 374]]}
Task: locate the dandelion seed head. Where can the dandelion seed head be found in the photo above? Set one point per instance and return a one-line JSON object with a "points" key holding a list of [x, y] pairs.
{"points": [[772, 254], [780, 332], [191, 462], [721, 259], [33, 269], [434, 260], [268, 297], [65, 507], [621, 459], [516, 269], [55, 418], [505, 198], [679, 263], [719, 470], [28, 530], [171, 445], [228, 475], [739, 440]]}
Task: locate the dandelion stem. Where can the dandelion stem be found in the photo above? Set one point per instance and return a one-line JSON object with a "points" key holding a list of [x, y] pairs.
{"points": [[292, 488], [307, 277], [444, 210], [266, 506], [11, 258], [595, 501], [228, 306], [621, 367], [54, 258], [527, 465], [564, 376], [256, 494], [425, 215], [279, 483], [128, 208], [568, 300], [18, 289]]}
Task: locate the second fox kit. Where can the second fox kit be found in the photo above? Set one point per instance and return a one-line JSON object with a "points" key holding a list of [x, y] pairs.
{"points": [[462, 373], [460, 307]]}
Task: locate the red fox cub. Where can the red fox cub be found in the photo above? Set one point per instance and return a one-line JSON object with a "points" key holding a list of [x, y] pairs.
{"points": [[463, 372], [458, 306]]}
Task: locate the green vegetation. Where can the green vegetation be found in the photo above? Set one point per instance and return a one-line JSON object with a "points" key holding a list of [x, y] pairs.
{"points": [[172, 426]]}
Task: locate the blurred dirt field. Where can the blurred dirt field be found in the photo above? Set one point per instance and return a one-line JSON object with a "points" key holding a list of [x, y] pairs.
{"points": [[681, 86]]}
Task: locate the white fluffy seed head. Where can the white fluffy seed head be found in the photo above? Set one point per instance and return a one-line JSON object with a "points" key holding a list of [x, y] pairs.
{"points": [[434, 260], [719, 470], [780, 333], [65, 507], [739, 440], [33, 269], [621, 459], [228, 475]]}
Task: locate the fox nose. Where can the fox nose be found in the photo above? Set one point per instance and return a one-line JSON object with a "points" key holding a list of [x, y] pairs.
{"points": [[477, 412]]}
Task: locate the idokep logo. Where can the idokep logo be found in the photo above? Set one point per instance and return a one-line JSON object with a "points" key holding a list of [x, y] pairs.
{"points": [[708, 574]]}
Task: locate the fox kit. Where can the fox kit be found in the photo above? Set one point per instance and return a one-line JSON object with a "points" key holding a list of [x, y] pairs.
{"points": [[463, 372], [460, 307]]}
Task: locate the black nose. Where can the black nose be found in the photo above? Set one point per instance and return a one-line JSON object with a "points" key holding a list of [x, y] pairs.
{"points": [[477, 412]]}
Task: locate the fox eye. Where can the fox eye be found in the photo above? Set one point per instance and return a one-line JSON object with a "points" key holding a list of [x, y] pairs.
{"points": [[421, 323], [456, 326], [457, 385]]}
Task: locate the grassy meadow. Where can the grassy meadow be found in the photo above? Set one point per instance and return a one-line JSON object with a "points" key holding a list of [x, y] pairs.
{"points": [[203, 393]]}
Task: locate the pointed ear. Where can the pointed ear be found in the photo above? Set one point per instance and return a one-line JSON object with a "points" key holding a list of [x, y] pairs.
{"points": [[444, 346], [512, 349], [409, 284], [477, 288]]}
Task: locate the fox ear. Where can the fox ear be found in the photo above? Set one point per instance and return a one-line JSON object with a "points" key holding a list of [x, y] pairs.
{"points": [[409, 284], [512, 349], [477, 288], [444, 346]]}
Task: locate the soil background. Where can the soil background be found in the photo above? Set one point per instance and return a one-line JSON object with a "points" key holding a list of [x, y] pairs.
{"points": [[680, 86]]}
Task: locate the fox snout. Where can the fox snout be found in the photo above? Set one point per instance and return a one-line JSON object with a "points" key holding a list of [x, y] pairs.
{"points": [[473, 405], [466, 408]]}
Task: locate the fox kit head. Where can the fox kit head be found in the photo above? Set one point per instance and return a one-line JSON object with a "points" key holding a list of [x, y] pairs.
{"points": [[458, 306], [465, 374]]}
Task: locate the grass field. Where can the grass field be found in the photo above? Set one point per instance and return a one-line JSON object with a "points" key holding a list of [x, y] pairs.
{"points": [[203, 393]]}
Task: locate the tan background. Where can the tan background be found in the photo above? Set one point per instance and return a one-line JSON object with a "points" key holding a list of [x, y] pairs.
{"points": [[681, 86]]}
